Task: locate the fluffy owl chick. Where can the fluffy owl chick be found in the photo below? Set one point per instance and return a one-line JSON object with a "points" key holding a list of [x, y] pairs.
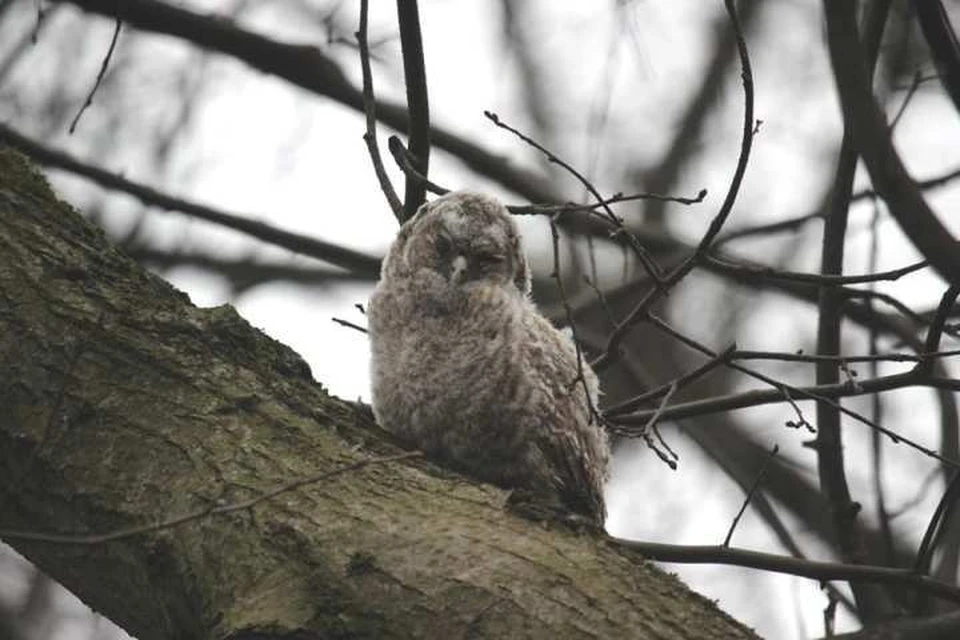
{"points": [[467, 370]]}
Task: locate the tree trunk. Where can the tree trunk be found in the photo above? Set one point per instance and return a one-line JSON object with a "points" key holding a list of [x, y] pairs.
{"points": [[124, 407]]}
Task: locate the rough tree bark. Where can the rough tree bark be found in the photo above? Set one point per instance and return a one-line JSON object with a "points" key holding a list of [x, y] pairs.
{"points": [[122, 405]]}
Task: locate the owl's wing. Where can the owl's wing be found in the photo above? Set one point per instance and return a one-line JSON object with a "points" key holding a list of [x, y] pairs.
{"points": [[573, 454]]}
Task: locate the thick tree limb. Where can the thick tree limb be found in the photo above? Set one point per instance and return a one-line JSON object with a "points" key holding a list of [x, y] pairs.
{"points": [[872, 603], [943, 44], [123, 405]]}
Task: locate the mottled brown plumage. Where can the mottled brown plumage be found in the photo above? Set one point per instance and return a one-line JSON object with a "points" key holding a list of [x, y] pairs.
{"points": [[465, 367]]}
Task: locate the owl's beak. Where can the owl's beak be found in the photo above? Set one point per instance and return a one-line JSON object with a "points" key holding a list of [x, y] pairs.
{"points": [[459, 267]]}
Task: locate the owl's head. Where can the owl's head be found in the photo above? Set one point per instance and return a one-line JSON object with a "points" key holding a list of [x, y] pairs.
{"points": [[465, 237]]}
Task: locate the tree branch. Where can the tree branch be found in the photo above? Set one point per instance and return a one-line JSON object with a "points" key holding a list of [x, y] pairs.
{"points": [[169, 409], [822, 571], [361, 264], [306, 67], [415, 77], [870, 132]]}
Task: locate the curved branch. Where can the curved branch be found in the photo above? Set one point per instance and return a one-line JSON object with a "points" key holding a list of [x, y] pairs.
{"points": [[872, 136], [622, 329], [370, 112], [943, 43]]}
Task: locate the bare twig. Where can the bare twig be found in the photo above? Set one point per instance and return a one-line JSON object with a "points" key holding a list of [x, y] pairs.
{"points": [[632, 403], [911, 92], [782, 391], [100, 75], [814, 278], [539, 209], [821, 571], [758, 397], [649, 430], [750, 494], [649, 264], [404, 160], [402, 157], [949, 502], [639, 311], [876, 357], [370, 111], [349, 325], [580, 377]]}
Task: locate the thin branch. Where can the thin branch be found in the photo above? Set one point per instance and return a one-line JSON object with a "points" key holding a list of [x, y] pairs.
{"points": [[945, 518], [814, 278], [831, 471], [370, 111], [404, 161], [100, 75], [620, 332], [782, 391], [349, 325], [580, 377], [758, 397], [651, 426], [911, 92], [633, 403], [541, 209], [402, 157], [822, 571], [784, 356], [305, 66], [329, 252], [937, 325], [949, 502], [649, 264], [750, 494]]}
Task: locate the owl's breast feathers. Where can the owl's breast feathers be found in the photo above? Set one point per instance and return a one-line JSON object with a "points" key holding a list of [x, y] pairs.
{"points": [[480, 380]]}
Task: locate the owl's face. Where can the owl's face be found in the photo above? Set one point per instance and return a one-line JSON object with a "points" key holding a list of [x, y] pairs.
{"points": [[466, 238]]}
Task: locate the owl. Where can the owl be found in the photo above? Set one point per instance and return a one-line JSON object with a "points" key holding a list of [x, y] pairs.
{"points": [[466, 369]]}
